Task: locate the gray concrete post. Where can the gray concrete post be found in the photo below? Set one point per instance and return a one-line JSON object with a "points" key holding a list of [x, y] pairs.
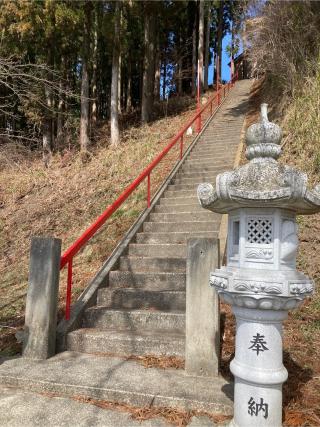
{"points": [[202, 309], [42, 298]]}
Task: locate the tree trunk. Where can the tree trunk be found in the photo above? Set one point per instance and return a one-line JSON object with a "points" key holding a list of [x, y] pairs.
{"points": [[179, 88], [215, 54], [157, 74], [115, 136], [232, 52], [129, 85], [194, 57], [219, 38], [47, 139], [148, 63], [85, 103], [164, 82], [47, 135], [207, 50], [119, 82], [47, 122], [84, 118], [60, 117], [94, 68], [157, 79], [200, 43]]}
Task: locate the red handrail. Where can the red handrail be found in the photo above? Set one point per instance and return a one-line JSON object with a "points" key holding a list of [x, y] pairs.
{"points": [[68, 255]]}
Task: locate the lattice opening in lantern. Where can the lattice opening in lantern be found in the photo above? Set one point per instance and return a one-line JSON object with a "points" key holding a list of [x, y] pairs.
{"points": [[259, 230]]}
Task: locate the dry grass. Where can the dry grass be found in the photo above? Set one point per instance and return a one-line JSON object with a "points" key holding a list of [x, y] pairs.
{"points": [[63, 200]]}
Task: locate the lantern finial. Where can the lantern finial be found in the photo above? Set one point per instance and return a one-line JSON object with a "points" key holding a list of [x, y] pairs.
{"points": [[263, 138]]}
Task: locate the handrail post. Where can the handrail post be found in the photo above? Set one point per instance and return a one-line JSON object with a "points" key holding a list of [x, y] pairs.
{"points": [[148, 192], [199, 123], [69, 288], [181, 146]]}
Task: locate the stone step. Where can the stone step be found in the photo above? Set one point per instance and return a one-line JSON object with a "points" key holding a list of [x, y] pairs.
{"points": [[181, 226], [132, 263], [131, 298], [195, 207], [134, 320], [220, 130], [183, 186], [200, 175], [146, 280], [218, 143], [173, 237], [211, 159], [126, 343], [207, 169], [116, 379], [180, 201], [203, 215], [220, 154], [195, 181], [213, 146], [208, 145], [217, 140], [201, 150], [213, 156], [175, 194], [207, 162], [157, 250]]}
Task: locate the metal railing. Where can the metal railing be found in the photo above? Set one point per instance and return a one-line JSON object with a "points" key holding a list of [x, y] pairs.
{"points": [[68, 255]]}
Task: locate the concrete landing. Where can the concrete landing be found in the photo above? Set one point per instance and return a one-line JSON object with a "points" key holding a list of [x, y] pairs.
{"points": [[19, 408], [77, 374]]}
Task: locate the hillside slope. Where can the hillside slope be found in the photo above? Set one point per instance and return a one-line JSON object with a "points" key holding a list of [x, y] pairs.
{"points": [[63, 200]]}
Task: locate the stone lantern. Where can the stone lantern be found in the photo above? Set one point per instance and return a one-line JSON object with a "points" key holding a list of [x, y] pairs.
{"points": [[260, 279]]}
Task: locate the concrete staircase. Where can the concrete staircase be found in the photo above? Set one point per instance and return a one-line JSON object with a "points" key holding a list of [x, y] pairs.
{"points": [[142, 311]]}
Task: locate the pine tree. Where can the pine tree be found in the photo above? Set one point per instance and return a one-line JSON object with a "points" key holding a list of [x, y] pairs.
{"points": [[114, 117]]}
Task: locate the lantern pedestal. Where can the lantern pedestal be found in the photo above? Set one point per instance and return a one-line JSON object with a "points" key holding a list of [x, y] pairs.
{"points": [[257, 368]]}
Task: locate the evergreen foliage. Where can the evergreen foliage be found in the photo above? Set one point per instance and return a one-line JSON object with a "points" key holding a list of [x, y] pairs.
{"points": [[72, 52]]}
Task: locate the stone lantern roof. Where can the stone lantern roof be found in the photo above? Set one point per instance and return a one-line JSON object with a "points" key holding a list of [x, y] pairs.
{"points": [[262, 182]]}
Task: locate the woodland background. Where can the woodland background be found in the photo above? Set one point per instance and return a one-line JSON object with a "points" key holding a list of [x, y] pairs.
{"points": [[66, 66]]}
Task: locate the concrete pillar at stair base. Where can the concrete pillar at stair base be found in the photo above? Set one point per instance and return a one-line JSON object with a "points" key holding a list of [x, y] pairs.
{"points": [[39, 335], [202, 309], [260, 280]]}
